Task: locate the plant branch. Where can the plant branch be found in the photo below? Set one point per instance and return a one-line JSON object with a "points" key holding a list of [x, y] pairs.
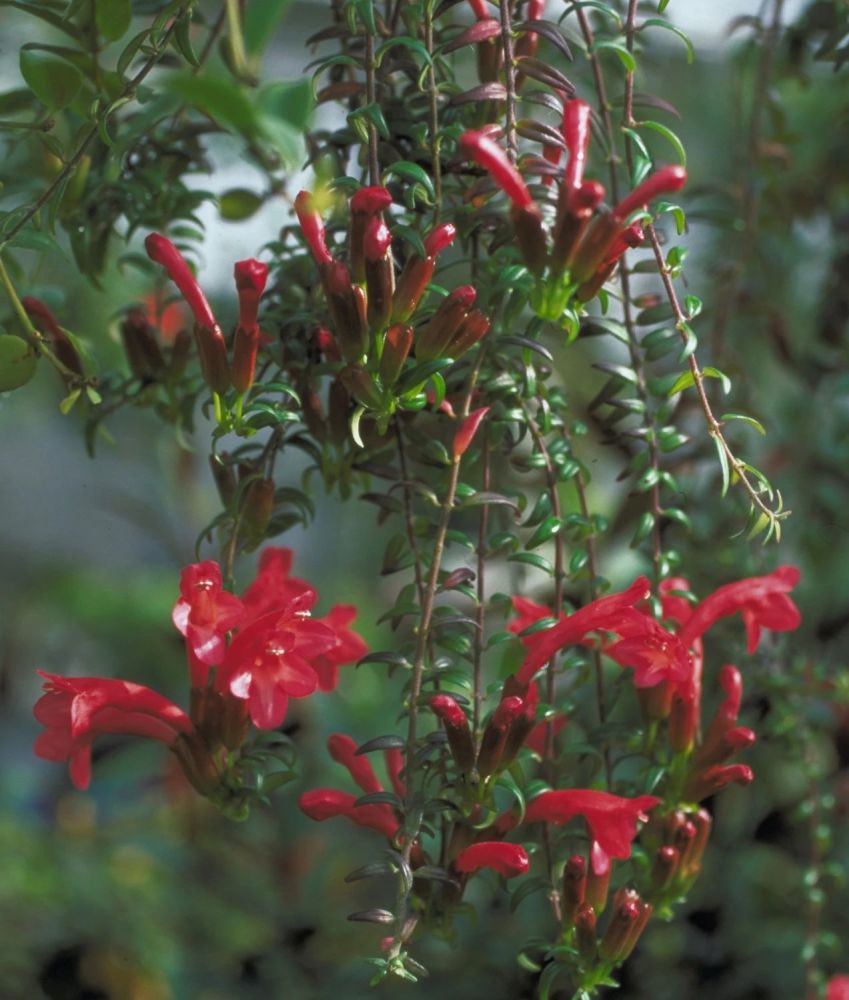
{"points": [[509, 74]]}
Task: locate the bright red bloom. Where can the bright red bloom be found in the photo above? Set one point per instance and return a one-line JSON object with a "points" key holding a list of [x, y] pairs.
{"points": [[577, 115], [508, 860], [487, 154], [655, 654], [763, 601], [664, 181], [326, 803], [607, 614], [204, 614], [273, 589], [612, 819], [529, 613], [371, 200], [349, 648], [537, 737], [440, 238], [162, 251], [269, 661], [344, 751], [838, 988], [76, 710]]}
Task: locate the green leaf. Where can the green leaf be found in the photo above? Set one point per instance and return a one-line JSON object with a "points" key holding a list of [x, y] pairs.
{"points": [[659, 22], [259, 23], [217, 97], [533, 559], [686, 379], [667, 133], [113, 18], [759, 427], [17, 362], [411, 172], [546, 530], [723, 462], [621, 50], [288, 101], [238, 204], [54, 82]]}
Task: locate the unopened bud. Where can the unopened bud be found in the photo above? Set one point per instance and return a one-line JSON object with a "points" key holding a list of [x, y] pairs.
{"points": [[181, 349], [474, 328], [225, 478], [434, 340], [574, 888], [665, 867], [598, 887], [380, 274], [585, 934], [144, 355], [495, 735], [256, 510], [530, 236], [457, 730], [396, 348], [245, 347]]}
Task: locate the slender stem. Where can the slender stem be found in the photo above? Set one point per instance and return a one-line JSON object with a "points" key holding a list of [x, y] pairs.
{"points": [[713, 425], [480, 593], [433, 114], [603, 103], [127, 93], [509, 74], [371, 98], [408, 510]]}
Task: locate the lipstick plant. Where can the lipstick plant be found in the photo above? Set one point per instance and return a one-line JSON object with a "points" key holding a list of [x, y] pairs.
{"points": [[467, 297]]}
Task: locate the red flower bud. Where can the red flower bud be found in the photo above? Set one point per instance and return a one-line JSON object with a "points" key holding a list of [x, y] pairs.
{"points": [[371, 200], [439, 239], [509, 860], [700, 786], [666, 864], [245, 347], [42, 317], [380, 274], [411, 286], [480, 148], [530, 235], [625, 916], [574, 888], [434, 339], [162, 251], [396, 349], [251, 276], [312, 227], [141, 347], [457, 730], [664, 181], [585, 939], [576, 132], [466, 431], [474, 328]]}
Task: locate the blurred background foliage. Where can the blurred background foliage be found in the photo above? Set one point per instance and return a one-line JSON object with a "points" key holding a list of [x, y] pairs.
{"points": [[138, 890]]}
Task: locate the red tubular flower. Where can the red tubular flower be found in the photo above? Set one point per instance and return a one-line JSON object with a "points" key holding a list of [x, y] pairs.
{"points": [[326, 803], [349, 648], [251, 277], [269, 662], [529, 613], [538, 736], [379, 271], [655, 654], [365, 205], [709, 782], [418, 271], [457, 730], [76, 710], [667, 180], [204, 614], [480, 148], [43, 318], [509, 860], [612, 819], [838, 988], [344, 751], [576, 132], [312, 227], [466, 432], [763, 601], [605, 614], [273, 589], [162, 251]]}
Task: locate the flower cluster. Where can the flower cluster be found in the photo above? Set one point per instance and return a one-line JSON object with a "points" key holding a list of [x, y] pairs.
{"points": [[371, 310], [582, 247], [251, 277], [247, 657]]}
